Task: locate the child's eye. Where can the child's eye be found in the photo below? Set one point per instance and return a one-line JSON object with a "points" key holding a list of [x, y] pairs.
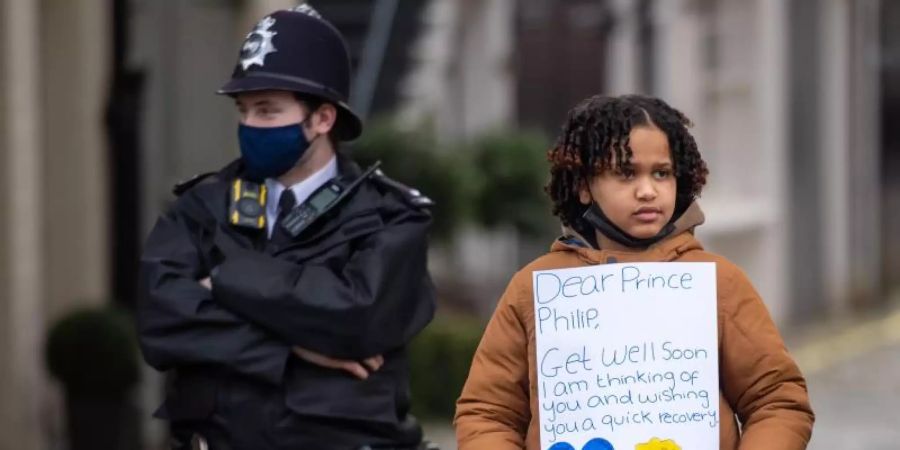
{"points": [[625, 173], [662, 174]]}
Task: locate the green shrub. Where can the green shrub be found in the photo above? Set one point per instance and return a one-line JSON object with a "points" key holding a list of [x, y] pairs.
{"points": [[412, 158], [440, 359], [513, 170], [494, 180], [93, 352]]}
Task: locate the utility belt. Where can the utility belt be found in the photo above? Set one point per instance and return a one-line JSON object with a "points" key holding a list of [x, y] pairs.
{"points": [[206, 438], [199, 442]]}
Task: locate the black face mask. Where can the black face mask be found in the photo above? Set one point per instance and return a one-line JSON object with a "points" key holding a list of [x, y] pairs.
{"points": [[597, 219]]}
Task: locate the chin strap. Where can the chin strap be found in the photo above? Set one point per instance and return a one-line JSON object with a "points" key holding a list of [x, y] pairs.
{"points": [[594, 216]]}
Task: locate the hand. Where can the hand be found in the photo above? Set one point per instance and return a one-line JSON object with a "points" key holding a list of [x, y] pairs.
{"points": [[373, 364], [207, 283]]}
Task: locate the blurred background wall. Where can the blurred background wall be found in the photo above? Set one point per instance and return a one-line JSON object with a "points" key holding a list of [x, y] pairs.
{"points": [[104, 104]]}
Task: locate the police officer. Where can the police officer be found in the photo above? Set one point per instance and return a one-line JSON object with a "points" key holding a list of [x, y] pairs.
{"points": [[280, 292]]}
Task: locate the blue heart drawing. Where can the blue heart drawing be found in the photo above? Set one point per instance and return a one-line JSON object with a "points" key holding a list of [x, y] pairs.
{"points": [[593, 444], [598, 444], [561, 446]]}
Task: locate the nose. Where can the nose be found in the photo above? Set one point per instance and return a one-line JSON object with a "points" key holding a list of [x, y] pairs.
{"points": [[645, 189]]}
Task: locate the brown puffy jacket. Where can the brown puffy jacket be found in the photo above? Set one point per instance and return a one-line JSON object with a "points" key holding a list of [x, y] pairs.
{"points": [[760, 386]]}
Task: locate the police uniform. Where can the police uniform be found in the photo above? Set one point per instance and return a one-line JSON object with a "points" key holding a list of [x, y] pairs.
{"points": [[350, 285]]}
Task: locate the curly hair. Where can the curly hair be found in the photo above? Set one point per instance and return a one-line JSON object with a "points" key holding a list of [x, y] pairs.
{"points": [[595, 137]]}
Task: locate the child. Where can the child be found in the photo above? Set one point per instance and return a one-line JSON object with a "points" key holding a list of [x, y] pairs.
{"points": [[625, 174]]}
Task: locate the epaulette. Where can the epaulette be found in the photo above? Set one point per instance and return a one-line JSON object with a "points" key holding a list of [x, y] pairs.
{"points": [[182, 186], [412, 196]]}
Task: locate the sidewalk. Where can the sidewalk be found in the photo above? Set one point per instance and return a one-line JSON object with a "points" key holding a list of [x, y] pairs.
{"points": [[852, 367], [853, 373], [441, 434]]}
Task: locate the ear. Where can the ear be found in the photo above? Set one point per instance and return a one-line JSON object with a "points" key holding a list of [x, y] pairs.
{"points": [[584, 193], [323, 119]]}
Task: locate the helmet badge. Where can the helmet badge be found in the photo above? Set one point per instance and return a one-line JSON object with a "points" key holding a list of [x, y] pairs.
{"points": [[258, 44], [306, 9]]}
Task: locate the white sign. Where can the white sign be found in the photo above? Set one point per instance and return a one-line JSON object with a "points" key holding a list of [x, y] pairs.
{"points": [[627, 357]]}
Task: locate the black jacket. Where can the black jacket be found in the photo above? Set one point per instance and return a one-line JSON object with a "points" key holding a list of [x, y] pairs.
{"points": [[353, 285]]}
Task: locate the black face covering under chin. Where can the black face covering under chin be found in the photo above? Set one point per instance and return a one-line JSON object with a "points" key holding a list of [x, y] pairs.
{"points": [[595, 217]]}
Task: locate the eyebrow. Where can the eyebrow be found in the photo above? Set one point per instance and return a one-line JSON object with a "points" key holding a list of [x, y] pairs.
{"points": [[665, 165]]}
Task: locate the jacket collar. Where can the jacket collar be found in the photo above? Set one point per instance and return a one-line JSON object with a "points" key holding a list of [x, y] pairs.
{"points": [[360, 204], [680, 241]]}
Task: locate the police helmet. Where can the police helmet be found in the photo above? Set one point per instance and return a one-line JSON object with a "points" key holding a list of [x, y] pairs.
{"points": [[297, 50]]}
